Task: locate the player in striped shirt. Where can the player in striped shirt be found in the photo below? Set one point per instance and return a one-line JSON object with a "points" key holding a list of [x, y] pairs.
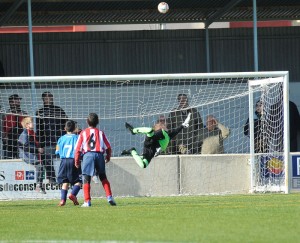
{"points": [[68, 173], [92, 143]]}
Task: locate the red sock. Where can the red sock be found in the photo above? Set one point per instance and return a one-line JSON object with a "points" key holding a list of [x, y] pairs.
{"points": [[86, 192], [106, 186]]}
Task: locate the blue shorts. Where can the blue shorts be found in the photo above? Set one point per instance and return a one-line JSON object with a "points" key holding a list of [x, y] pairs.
{"points": [[68, 173], [93, 162]]}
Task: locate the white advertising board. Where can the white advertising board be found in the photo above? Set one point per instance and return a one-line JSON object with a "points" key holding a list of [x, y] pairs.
{"points": [[18, 181], [295, 179]]}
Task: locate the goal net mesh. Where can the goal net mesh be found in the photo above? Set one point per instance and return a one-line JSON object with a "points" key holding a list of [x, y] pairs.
{"points": [[143, 100]]}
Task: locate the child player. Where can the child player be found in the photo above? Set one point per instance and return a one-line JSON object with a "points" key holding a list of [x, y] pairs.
{"points": [[92, 143], [156, 141], [68, 173], [30, 151]]}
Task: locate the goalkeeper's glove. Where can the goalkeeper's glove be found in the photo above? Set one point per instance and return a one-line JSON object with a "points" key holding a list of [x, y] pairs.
{"points": [[186, 124], [158, 151]]}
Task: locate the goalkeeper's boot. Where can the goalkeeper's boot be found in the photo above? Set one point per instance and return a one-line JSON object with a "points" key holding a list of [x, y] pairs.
{"points": [[129, 127], [86, 204], [127, 152], [62, 203], [73, 199], [111, 201]]}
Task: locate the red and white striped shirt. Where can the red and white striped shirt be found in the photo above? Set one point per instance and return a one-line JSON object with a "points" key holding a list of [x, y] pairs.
{"points": [[91, 140]]}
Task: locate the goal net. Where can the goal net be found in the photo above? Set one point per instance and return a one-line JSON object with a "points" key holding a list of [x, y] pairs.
{"points": [[269, 149], [220, 103]]}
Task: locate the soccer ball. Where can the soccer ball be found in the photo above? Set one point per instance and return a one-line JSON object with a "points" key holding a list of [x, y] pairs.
{"points": [[163, 7]]}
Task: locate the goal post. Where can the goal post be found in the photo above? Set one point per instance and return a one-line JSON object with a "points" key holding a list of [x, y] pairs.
{"points": [[270, 166], [142, 100]]}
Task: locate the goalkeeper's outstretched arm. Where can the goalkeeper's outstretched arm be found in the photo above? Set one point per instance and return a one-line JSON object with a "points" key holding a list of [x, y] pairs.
{"points": [[177, 130]]}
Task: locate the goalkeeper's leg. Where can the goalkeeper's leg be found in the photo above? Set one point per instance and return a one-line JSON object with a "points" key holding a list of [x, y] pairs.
{"points": [[129, 127], [143, 130], [140, 160]]}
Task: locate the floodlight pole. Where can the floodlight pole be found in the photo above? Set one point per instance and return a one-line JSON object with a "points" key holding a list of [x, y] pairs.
{"points": [[207, 49], [255, 36], [30, 38], [33, 89]]}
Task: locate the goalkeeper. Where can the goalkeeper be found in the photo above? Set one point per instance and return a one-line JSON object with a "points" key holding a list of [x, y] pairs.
{"points": [[156, 141]]}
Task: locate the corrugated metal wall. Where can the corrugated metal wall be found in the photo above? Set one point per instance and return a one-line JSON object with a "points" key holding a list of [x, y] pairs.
{"points": [[140, 52]]}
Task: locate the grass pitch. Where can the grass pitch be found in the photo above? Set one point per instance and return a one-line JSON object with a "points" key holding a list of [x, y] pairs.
{"points": [[247, 218]]}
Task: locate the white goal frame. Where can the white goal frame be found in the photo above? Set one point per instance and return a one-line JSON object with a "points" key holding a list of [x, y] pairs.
{"points": [[264, 78], [284, 78]]}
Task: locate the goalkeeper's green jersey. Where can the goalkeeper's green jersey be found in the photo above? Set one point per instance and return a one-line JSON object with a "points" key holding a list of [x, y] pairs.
{"points": [[164, 142]]}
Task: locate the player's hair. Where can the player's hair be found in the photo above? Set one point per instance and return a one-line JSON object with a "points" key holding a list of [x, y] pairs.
{"points": [[26, 120], [92, 120], [70, 126], [47, 94], [160, 123], [181, 95], [161, 119], [159, 126]]}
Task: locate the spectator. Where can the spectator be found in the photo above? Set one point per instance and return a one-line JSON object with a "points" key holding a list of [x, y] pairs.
{"points": [[68, 173], [186, 139], [275, 125], [211, 137], [30, 151], [50, 125], [12, 127], [92, 143], [260, 143], [294, 126]]}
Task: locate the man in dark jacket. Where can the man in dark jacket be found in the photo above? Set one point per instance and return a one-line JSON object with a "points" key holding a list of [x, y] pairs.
{"points": [[275, 126], [260, 142], [50, 123], [186, 140], [294, 126]]}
